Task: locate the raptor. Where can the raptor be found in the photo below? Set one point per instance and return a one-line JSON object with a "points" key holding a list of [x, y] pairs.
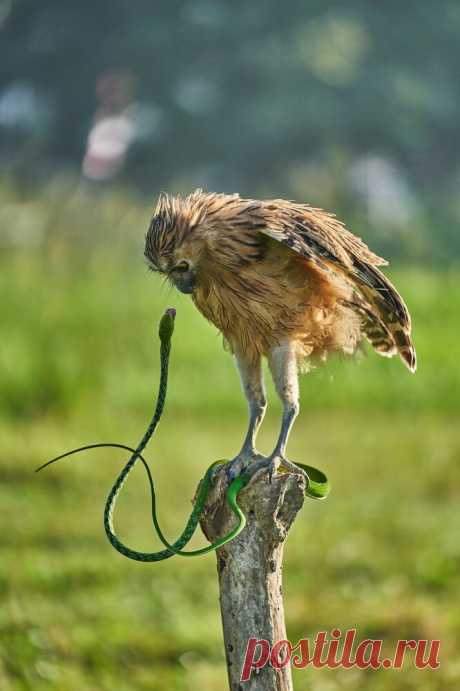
{"points": [[282, 281]]}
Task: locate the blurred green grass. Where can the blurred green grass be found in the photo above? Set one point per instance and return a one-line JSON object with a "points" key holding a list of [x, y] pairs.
{"points": [[79, 363], [86, 335]]}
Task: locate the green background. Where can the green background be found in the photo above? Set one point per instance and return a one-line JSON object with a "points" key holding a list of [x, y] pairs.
{"points": [[79, 363], [349, 106]]}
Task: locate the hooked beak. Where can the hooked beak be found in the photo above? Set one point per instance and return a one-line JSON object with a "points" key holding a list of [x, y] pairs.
{"points": [[185, 281]]}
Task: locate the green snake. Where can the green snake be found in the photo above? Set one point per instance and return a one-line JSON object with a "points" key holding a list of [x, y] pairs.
{"points": [[317, 483]]}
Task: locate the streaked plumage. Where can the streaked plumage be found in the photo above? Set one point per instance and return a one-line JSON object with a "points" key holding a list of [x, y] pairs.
{"points": [[267, 270], [274, 274]]}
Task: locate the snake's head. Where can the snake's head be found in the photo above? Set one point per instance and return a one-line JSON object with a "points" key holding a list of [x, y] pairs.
{"points": [[167, 324]]}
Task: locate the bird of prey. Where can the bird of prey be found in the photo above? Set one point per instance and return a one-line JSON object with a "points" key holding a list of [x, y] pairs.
{"points": [[280, 280]]}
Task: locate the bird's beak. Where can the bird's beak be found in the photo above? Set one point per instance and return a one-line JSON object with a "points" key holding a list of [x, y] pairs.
{"points": [[185, 281]]}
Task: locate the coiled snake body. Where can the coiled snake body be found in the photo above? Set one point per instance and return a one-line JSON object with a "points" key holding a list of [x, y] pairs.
{"points": [[317, 484]]}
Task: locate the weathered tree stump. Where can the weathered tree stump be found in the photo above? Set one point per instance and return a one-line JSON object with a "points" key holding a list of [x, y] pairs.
{"points": [[250, 568]]}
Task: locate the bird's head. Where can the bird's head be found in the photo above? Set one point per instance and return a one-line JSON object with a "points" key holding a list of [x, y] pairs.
{"points": [[173, 246]]}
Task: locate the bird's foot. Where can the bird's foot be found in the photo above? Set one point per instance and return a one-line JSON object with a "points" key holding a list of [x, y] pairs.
{"points": [[244, 462], [276, 461]]}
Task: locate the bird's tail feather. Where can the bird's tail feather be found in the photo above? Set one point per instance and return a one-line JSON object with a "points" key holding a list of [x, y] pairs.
{"points": [[387, 322]]}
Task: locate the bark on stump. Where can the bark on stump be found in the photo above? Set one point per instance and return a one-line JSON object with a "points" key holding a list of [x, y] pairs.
{"points": [[249, 569]]}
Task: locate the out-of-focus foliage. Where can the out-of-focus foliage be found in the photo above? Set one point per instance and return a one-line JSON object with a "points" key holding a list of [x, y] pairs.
{"points": [[352, 106]]}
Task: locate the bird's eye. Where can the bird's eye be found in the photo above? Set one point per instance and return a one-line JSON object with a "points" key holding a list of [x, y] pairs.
{"points": [[181, 266]]}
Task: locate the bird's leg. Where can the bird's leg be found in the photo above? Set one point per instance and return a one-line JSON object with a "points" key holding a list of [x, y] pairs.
{"points": [[283, 366], [250, 369]]}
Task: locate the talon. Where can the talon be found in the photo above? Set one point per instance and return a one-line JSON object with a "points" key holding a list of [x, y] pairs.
{"points": [[277, 462], [230, 474], [243, 463], [291, 467], [273, 466], [234, 470]]}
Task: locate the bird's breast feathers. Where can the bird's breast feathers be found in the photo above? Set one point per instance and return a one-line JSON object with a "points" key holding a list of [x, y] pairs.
{"points": [[260, 303]]}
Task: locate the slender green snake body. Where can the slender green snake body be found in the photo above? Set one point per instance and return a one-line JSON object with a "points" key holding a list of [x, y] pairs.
{"points": [[317, 484]]}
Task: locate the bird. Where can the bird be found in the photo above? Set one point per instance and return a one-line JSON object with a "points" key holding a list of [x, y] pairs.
{"points": [[282, 281]]}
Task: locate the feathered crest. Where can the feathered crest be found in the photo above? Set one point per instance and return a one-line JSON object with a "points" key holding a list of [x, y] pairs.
{"points": [[163, 204], [174, 218]]}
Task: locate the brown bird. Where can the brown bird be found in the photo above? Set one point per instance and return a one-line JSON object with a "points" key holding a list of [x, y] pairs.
{"points": [[280, 280]]}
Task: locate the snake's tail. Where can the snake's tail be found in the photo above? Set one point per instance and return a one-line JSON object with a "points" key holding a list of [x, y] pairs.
{"points": [[85, 448], [114, 541]]}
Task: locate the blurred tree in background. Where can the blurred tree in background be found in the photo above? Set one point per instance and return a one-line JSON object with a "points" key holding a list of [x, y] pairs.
{"points": [[352, 106]]}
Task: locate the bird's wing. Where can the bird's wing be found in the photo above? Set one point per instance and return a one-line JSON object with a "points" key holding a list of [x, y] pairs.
{"points": [[320, 238]]}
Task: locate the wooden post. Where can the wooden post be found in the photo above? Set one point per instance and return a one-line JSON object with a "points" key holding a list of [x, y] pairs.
{"points": [[250, 568]]}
